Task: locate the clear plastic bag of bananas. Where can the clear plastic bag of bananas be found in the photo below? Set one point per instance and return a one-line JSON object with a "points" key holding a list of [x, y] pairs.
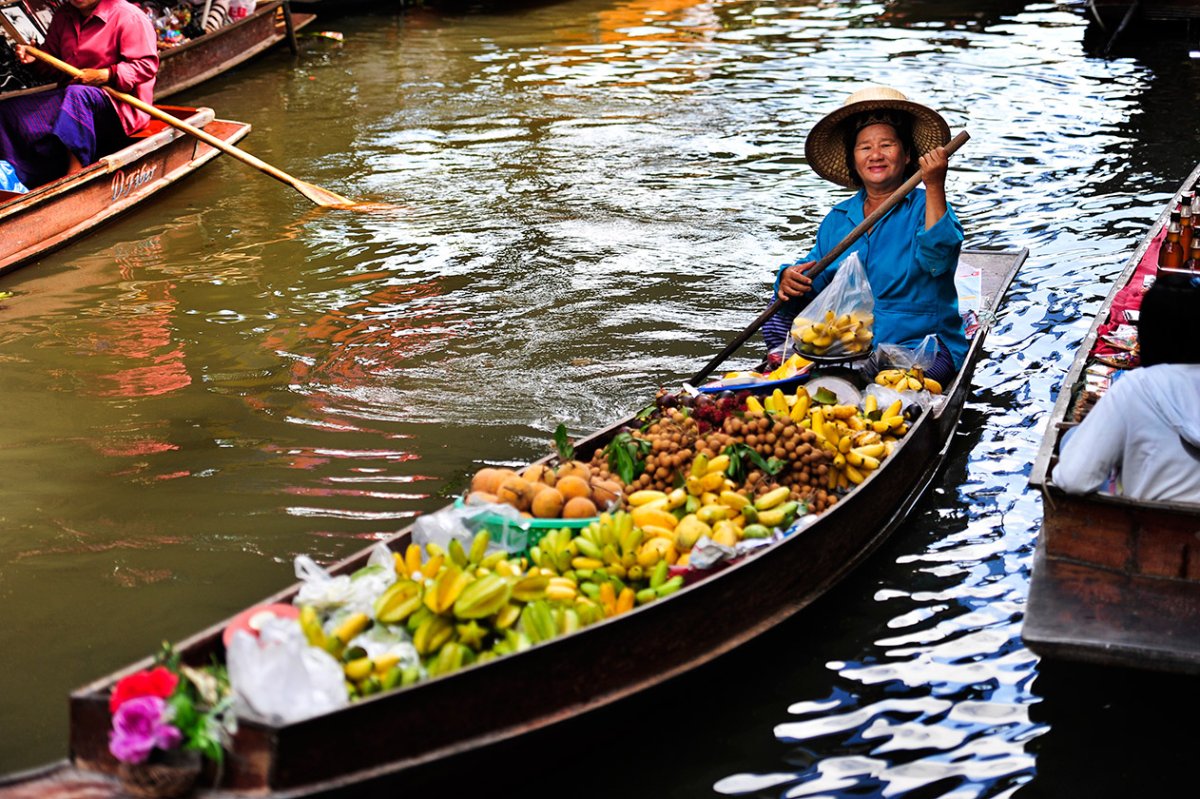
{"points": [[840, 320]]}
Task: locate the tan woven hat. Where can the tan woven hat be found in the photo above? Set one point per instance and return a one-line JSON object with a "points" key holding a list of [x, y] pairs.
{"points": [[825, 148]]}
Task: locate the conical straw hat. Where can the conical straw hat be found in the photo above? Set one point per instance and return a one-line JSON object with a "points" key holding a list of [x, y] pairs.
{"points": [[825, 148]]}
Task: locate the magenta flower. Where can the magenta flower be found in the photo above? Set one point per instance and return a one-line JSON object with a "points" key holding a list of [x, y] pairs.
{"points": [[139, 727]]}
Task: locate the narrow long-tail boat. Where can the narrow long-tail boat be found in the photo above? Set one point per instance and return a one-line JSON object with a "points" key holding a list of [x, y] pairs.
{"points": [[52, 215], [1115, 580], [433, 724], [203, 57]]}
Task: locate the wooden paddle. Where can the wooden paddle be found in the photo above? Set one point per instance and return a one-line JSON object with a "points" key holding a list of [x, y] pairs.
{"points": [[321, 197], [831, 256]]}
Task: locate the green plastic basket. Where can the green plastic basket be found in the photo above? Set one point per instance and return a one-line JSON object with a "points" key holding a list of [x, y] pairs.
{"points": [[520, 537]]}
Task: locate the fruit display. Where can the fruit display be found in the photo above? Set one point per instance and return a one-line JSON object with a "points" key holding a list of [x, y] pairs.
{"points": [[847, 334], [693, 473]]}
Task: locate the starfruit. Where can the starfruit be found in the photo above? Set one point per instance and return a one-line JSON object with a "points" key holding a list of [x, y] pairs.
{"points": [[482, 598]]}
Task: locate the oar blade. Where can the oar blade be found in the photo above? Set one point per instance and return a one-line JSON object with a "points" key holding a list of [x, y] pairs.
{"points": [[322, 197]]}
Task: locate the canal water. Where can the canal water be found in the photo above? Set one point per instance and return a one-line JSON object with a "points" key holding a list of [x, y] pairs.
{"points": [[589, 198]]}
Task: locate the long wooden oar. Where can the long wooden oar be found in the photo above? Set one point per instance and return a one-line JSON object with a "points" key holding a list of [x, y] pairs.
{"points": [[318, 195], [831, 256]]}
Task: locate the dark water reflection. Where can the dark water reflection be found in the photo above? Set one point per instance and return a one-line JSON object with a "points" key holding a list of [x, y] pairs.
{"points": [[593, 196]]}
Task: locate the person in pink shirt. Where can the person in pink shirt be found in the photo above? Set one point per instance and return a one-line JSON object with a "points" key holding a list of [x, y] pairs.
{"points": [[49, 134]]}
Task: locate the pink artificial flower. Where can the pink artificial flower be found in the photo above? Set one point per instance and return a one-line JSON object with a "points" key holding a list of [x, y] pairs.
{"points": [[139, 727], [158, 681]]}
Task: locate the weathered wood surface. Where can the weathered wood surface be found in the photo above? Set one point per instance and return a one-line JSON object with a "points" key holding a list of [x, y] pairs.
{"points": [[382, 738]]}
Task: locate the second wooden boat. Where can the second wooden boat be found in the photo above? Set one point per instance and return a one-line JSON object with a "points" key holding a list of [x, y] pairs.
{"points": [[386, 736], [1115, 581], [59, 212]]}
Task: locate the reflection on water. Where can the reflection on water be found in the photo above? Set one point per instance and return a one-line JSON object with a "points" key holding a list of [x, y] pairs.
{"points": [[585, 200]]}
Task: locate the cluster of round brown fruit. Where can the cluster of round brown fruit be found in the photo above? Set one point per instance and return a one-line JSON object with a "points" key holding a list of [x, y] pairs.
{"points": [[570, 491]]}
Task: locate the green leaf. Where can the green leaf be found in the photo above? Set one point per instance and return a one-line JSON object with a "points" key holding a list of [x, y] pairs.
{"points": [[627, 456], [566, 452], [825, 397], [740, 453]]}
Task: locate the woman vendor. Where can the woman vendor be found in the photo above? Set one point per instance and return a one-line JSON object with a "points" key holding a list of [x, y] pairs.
{"points": [[874, 142], [49, 134]]}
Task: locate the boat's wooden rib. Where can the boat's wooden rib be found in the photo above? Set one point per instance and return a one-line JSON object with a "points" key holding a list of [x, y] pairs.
{"points": [[383, 737], [1115, 581], [59, 212]]}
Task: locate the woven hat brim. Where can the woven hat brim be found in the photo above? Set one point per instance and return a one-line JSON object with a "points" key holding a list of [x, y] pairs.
{"points": [[825, 147]]}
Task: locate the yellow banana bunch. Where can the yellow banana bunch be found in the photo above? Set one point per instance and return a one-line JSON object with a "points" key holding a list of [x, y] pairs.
{"points": [[913, 379], [833, 335]]}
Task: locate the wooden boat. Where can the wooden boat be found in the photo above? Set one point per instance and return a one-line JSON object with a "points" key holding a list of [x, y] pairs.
{"points": [[196, 60], [1115, 581], [52, 215], [1114, 19], [392, 736]]}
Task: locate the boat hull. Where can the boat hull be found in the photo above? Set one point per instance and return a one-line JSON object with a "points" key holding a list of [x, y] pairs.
{"points": [[60, 212]]}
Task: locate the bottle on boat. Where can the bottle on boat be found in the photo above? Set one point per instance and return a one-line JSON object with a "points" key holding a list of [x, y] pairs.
{"points": [[1185, 223], [1171, 254], [1193, 261]]}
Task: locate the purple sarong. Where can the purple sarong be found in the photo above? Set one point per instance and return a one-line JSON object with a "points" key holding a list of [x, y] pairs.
{"points": [[38, 130]]}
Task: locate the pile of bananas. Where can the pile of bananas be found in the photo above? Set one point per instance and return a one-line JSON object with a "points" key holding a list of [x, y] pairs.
{"points": [[847, 334], [913, 379]]}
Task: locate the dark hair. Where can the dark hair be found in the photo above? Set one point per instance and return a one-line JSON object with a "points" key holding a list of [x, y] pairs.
{"points": [[900, 122], [1169, 323]]}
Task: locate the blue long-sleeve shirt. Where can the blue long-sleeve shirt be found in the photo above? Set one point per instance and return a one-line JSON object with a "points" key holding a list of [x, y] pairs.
{"points": [[911, 271]]}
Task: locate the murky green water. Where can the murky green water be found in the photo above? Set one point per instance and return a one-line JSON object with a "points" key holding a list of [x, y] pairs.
{"points": [[593, 196]]}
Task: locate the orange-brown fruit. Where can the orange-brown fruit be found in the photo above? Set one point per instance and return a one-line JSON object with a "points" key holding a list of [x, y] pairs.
{"points": [[576, 469], [573, 486], [539, 473], [548, 503], [516, 491], [579, 508], [606, 493], [487, 480]]}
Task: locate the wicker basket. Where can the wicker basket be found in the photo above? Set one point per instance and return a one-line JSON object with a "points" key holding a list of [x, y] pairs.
{"points": [[164, 776]]}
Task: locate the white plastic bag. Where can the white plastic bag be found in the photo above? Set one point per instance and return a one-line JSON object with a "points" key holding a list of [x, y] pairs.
{"points": [[349, 592], [841, 319], [464, 521], [278, 676]]}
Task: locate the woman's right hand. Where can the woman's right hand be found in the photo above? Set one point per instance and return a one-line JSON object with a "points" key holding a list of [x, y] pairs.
{"points": [[23, 55], [794, 282]]}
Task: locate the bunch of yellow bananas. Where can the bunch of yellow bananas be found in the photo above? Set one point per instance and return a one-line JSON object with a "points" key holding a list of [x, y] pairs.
{"points": [[795, 405], [834, 335], [913, 379]]}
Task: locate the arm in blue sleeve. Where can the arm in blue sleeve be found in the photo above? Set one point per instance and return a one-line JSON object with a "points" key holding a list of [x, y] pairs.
{"points": [[939, 246]]}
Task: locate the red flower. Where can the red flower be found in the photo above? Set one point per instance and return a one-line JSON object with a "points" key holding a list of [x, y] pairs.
{"points": [[158, 681]]}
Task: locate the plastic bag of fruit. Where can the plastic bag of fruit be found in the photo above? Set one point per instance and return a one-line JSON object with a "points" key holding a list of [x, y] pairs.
{"points": [[840, 320], [350, 592]]}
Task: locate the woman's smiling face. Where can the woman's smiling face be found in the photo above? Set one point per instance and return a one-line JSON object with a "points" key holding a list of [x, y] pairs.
{"points": [[879, 158]]}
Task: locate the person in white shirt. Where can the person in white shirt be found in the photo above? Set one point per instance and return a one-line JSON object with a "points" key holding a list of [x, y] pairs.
{"points": [[1145, 430]]}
